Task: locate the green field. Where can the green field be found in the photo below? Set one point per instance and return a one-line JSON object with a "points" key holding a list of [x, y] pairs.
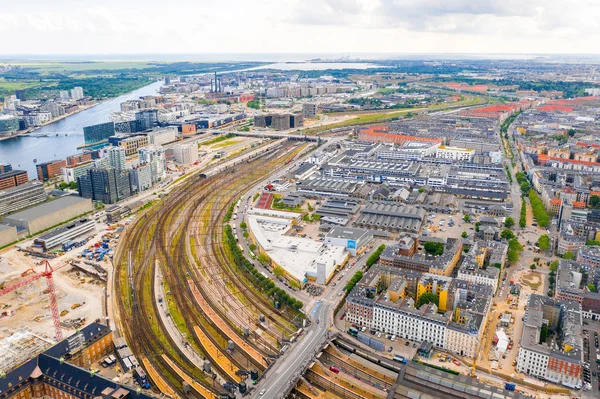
{"points": [[12, 86]]}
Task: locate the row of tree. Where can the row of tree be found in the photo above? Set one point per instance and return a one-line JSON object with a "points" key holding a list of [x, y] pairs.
{"points": [[374, 257], [538, 209], [354, 280], [263, 283]]}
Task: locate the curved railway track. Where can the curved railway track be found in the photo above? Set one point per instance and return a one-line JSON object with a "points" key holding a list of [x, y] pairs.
{"points": [[162, 235]]}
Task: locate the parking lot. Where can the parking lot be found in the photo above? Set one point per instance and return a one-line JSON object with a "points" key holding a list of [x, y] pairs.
{"points": [[590, 351]]}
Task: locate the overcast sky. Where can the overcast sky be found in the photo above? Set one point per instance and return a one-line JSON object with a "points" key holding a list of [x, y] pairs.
{"points": [[298, 26]]}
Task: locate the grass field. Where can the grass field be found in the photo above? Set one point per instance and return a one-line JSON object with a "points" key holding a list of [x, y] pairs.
{"points": [[368, 117], [228, 142], [12, 86]]}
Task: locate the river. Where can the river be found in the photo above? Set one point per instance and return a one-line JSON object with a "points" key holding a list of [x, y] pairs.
{"points": [[21, 151]]}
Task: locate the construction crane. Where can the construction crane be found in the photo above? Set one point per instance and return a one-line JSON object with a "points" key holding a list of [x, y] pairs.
{"points": [[47, 273]]}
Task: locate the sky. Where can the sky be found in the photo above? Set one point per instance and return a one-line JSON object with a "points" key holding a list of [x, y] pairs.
{"points": [[299, 26]]}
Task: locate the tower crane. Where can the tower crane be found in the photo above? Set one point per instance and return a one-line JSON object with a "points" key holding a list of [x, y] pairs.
{"points": [[47, 273]]}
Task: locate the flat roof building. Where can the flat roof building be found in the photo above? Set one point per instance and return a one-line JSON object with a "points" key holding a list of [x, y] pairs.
{"points": [[49, 214], [15, 198]]}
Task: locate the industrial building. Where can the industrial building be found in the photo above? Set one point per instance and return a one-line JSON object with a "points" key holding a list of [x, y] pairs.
{"points": [[391, 216], [49, 170], [15, 198], [354, 240], [13, 178], [65, 234], [49, 214], [8, 235]]}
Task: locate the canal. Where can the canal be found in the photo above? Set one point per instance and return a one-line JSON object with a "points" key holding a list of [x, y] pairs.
{"points": [[21, 151]]}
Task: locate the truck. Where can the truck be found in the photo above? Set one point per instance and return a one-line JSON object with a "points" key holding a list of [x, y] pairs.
{"points": [[140, 376], [401, 359], [353, 331], [510, 387], [67, 246]]}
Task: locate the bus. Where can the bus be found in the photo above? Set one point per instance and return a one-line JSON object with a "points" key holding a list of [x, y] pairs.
{"points": [[140, 376]]}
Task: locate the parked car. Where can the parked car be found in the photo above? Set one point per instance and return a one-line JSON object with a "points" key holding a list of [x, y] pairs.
{"points": [[334, 369]]}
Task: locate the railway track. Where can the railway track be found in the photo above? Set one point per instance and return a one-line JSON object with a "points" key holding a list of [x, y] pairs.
{"points": [[161, 236]]}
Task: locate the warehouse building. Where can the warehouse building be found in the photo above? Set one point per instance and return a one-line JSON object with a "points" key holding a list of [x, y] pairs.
{"points": [[49, 214], [391, 216], [15, 198], [8, 235], [65, 234], [354, 240]]}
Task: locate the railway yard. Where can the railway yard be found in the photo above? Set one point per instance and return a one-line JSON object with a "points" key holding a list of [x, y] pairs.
{"points": [[223, 317]]}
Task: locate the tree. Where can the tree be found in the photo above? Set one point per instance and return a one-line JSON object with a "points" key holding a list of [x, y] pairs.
{"points": [[514, 250], [533, 266], [592, 243], [252, 247], [571, 132], [477, 225], [507, 234], [467, 217], [509, 222], [594, 201], [434, 248], [525, 186], [354, 280], [464, 234], [523, 216], [427, 297], [591, 287], [246, 234], [544, 242], [554, 266], [264, 259], [421, 190], [278, 271], [243, 225], [568, 255]]}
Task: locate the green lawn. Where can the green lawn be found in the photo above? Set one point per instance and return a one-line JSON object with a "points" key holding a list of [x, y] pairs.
{"points": [[12, 86]]}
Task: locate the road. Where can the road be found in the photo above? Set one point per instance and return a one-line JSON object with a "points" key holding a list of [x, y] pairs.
{"points": [[286, 371], [290, 367]]}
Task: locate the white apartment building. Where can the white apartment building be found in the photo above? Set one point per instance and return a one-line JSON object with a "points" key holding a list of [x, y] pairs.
{"points": [[455, 153], [417, 326], [185, 154], [462, 342], [141, 177], [155, 156], [116, 157], [77, 93]]}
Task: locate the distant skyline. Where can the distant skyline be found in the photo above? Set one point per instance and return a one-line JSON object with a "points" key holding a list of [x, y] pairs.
{"points": [[299, 26]]}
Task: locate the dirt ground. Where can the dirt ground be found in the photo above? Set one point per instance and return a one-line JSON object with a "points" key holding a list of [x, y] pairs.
{"points": [[30, 303]]}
